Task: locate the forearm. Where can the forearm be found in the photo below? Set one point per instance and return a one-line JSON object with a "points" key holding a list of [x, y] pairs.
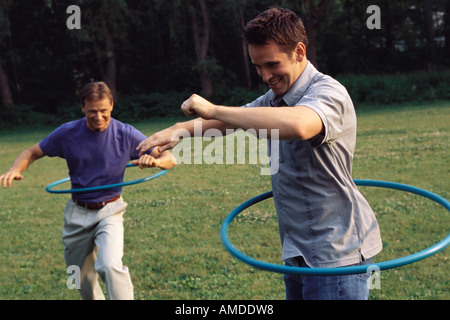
{"points": [[26, 158], [199, 126], [22, 162], [169, 137], [290, 122]]}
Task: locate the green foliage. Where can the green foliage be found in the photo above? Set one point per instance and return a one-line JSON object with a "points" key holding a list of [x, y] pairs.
{"points": [[364, 90], [238, 96], [153, 46], [22, 116], [146, 106], [399, 88]]}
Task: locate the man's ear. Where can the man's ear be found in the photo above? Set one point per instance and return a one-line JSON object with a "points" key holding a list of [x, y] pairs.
{"points": [[300, 51]]}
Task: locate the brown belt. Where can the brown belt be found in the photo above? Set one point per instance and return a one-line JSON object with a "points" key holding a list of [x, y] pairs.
{"points": [[93, 206]]}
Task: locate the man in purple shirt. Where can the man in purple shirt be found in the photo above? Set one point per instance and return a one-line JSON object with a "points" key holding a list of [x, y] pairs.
{"points": [[97, 149]]}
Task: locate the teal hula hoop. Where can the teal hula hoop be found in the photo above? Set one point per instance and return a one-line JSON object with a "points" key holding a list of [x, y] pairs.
{"points": [[105, 187], [340, 270]]}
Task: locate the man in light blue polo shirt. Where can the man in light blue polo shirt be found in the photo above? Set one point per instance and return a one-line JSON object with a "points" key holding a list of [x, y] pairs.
{"points": [[324, 221]]}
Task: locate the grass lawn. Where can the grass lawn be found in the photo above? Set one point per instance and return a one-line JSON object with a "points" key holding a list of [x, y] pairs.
{"points": [[172, 240]]}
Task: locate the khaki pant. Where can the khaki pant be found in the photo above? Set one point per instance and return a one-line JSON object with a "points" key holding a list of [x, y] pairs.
{"points": [[93, 241]]}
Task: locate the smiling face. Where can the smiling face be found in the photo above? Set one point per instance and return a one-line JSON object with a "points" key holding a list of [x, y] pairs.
{"points": [[98, 113], [278, 68]]}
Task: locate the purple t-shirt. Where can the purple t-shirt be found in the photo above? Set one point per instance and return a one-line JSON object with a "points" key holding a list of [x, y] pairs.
{"points": [[94, 158]]}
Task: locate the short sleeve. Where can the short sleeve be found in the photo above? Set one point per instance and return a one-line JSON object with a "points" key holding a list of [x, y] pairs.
{"points": [[136, 137], [329, 103], [52, 144]]}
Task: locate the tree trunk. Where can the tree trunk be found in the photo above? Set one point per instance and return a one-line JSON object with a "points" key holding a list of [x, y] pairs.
{"points": [[248, 78], [429, 33], [105, 49], [447, 30], [201, 44], [111, 68], [389, 25], [312, 19], [5, 91]]}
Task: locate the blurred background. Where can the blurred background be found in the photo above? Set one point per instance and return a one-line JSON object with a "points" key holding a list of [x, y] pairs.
{"points": [[155, 53]]}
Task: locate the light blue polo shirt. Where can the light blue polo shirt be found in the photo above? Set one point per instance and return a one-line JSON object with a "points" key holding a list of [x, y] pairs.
{"points": [[321, 214]]}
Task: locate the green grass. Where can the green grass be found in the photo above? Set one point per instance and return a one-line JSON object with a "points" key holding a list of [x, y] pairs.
{"points": [[172, 241]]}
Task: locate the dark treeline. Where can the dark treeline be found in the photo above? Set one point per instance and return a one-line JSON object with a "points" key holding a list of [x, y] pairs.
{"points": [[154, 53]]}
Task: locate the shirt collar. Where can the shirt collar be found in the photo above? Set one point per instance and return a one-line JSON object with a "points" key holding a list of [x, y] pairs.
{"points": [[298, 88]]}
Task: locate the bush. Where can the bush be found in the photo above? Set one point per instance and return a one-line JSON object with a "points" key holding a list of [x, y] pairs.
{"points": [[399, 88], [144, 106], [236, 96], [364, 90], [22, 115]]}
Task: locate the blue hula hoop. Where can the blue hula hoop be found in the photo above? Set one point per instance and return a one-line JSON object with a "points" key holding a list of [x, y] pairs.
{"points": [[109, 186], [340, 270]]}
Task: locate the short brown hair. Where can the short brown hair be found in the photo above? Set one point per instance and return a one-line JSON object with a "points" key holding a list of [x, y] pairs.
{"points": [[278, 24], [94, 91]]}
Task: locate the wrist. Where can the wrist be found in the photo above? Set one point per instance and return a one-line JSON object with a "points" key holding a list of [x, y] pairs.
{"points": [[218, 112], [180, 126]]}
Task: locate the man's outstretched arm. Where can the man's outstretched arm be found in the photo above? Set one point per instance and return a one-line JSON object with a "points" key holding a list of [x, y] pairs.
{"points": [[23, 161]]}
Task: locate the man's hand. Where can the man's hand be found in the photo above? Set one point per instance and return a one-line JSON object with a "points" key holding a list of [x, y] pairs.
{"points": [[164, 140], [146, 161], [198, 106], [163, 160], [22, 162], [7, 178], [168, 138]]}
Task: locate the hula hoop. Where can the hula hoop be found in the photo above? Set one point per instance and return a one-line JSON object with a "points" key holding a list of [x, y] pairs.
{"points": [[109, 186], [340, 270]]}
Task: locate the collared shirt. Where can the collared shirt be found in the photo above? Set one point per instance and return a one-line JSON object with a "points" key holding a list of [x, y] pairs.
{"points": [[321, 214]]}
